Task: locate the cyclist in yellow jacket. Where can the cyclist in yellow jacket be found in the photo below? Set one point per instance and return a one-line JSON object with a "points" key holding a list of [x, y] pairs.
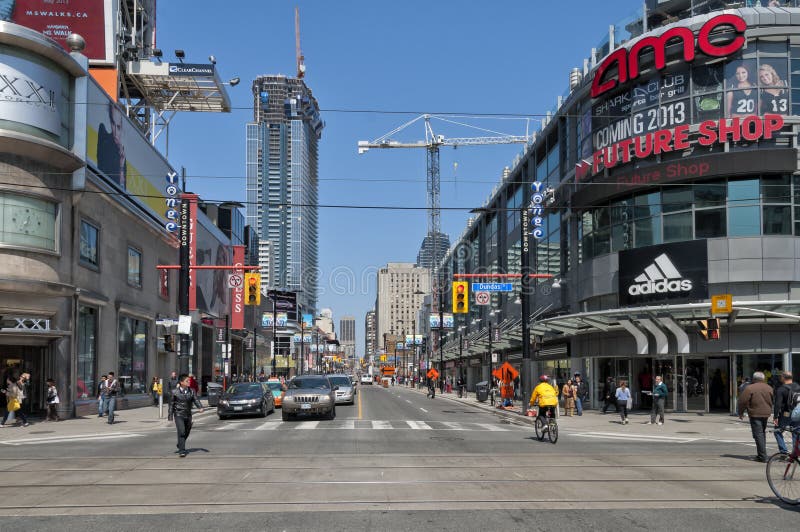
{"points": [[547, 396]]}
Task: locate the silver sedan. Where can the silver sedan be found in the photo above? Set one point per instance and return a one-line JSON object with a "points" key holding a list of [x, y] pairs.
{"points": [[345, 390], [309, 395]]}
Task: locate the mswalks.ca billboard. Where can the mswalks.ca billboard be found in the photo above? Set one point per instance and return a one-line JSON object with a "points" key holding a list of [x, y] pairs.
{"points": [[668, 272]]}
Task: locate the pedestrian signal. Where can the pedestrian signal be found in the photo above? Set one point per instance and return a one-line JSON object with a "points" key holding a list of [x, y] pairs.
{"points": [[252, 286], [460, 297], [708, 329]]}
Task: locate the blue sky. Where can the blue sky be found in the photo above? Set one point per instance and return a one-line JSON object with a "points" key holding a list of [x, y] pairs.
{"points": [[500, 56]]}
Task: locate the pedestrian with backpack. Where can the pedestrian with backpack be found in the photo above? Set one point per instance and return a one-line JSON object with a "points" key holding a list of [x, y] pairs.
{"points": [[52, 401], [787, 397]]}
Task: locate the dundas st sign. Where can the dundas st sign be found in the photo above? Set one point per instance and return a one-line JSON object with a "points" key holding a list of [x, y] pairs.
{"points": [[720, 36]]}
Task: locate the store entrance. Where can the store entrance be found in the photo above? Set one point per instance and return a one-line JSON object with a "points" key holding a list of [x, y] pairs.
{"points": [[719, 384], [694, 380], [18, 359]]}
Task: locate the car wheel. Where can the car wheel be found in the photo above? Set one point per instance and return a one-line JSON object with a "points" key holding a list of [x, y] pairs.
{"points": [[263, 411], [285, 415], [273, 408], [222, 418]]}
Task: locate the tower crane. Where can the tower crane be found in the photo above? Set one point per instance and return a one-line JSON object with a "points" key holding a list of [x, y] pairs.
{"points": [[301, 65], [431, 144]]}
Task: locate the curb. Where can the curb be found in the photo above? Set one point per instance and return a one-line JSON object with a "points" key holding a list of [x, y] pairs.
{"points": [[507, 414]]}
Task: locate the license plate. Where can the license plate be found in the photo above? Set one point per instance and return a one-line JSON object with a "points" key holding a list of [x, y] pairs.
{"points": [[305, 406], [237, 408]]}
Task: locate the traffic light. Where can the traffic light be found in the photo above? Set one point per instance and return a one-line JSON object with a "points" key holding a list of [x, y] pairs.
{"points": [[460, 297], [252, 286], [708, 329]]}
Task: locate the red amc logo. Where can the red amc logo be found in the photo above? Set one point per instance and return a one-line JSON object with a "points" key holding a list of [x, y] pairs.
{"points": [[627, 61]]}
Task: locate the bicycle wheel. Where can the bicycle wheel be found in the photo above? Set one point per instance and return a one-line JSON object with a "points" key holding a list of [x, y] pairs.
{"points": [[539, 429], [783, 476], [552, 432]]}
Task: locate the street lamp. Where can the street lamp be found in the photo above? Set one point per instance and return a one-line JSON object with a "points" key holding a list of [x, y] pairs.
{"points": [[493, 313]]}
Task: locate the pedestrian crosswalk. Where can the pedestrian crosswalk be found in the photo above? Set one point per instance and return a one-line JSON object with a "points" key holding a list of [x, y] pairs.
{"points": [[363, 424], [75, 438]]}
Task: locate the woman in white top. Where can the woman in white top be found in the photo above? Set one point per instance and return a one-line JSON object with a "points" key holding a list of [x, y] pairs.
{"points": [[623, 395]]}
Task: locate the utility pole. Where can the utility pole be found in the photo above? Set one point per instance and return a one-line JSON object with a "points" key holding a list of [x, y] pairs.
{"points": [[441, 335], [526, 378]]}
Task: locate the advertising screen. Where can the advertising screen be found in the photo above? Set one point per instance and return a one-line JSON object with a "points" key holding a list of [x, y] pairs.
{"points": [[91, 19], [119, 151], [213, 295]]}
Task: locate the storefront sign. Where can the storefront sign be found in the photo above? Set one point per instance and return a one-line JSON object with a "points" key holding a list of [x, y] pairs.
{"points": [[750, 128], [623, 65], [667, 272], [536, 210], [31, 94]]}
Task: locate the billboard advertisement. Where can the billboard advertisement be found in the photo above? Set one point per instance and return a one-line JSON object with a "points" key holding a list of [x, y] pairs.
{"points": [[212, 292], [117, 150], [91, 19]]}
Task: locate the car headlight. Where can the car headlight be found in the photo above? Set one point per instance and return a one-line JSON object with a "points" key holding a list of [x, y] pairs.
{"points": [[288, 398], [254, 401], [324, 399], [223, 402]]}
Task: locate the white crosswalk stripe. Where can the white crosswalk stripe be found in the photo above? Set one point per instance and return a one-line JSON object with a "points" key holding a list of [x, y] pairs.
{"points": [[71, 439], [359, 424]]}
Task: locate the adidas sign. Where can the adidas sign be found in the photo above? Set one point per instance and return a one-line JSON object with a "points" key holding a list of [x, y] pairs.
{"points": [[661, 277]]}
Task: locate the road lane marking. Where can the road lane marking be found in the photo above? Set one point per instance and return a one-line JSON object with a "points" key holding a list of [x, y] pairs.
{"points": [[269, 425], [492, 428], [407, 401], [359, 406], [381, 425], [307, 425], [423, 410], [349, 424], [419, 425]]}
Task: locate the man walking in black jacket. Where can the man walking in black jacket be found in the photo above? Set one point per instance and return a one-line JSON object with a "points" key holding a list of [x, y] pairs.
{"points": [[783, 408], [180, 407], [609, 389]]}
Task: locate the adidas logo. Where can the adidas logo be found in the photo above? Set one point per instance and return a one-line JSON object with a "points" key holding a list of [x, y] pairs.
{"points": [[661, 277]]}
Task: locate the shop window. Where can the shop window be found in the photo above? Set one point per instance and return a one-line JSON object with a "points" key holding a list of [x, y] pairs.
{"points": [[678, 227], [87, 353], [133, 355], [777, 220], [709, 195], [775, 189], [134, 267], [88, 244], [744, 221], [676, 199], [27, 222], [710, 223]]}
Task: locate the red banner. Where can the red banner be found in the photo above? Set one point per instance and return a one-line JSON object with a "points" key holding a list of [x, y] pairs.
{"points": [[237, 294]]}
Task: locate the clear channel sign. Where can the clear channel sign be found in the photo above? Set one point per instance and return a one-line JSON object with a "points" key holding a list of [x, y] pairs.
{"points": [[492, 287]]}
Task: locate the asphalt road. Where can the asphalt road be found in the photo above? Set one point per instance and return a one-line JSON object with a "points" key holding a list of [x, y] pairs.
{"points": [[395, 460]]}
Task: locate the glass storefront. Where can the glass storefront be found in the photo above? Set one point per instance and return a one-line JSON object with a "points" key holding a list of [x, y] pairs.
{"points": [[87, 352], [133, 355]]}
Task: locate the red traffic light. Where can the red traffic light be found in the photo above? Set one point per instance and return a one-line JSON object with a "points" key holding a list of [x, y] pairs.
{"points": [[460, 288]]}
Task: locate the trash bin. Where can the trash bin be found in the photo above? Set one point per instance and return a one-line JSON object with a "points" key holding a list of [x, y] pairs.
{"points": [[482, 391], [213, 392]]}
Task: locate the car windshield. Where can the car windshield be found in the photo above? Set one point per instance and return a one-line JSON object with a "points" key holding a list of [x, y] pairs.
{"points": [[310, 382], [338, 380], [274, 385], [249, 387]]}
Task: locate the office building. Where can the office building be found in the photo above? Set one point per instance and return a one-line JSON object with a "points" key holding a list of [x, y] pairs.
{"points": [[401, 287], [433, 249]]}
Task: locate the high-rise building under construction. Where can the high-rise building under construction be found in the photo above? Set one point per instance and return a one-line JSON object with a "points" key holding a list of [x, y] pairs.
{"points": [[282, 184]]}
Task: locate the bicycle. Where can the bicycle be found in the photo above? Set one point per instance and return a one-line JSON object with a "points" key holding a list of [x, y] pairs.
{"points": [[547, 425], [783, 471]]}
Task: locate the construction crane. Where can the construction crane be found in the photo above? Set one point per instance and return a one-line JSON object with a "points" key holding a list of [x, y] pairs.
{"points": [[301, 65], [431, 144]]}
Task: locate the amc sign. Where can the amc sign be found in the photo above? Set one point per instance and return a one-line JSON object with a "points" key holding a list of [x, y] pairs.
{"points": [[623, 65]]}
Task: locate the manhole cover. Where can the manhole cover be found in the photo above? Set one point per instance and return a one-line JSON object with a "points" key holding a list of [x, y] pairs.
{"points": [[41, 432], [446, 438]]}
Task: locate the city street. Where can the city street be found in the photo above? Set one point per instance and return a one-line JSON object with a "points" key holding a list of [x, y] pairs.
{"points": [[393, 460]]}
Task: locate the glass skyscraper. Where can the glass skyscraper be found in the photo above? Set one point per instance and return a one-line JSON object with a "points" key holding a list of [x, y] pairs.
{"points": [[282, 185]]}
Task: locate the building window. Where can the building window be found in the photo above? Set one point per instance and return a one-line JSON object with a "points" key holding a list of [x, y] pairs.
{"points": [[134, 267], [743, 208], [28, 222], [133, 355], [89, 241], [87, 352]]}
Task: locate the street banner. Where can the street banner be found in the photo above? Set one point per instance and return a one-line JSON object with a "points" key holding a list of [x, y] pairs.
{"points": [[308, 321], [266, 319], [282, 319], [237, 294]]}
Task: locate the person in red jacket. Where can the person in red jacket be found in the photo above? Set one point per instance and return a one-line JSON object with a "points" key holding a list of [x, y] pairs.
{"points": [[757, 399], [193, 385]]}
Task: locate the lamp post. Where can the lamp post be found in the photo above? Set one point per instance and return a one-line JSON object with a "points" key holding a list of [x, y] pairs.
{"points": [[460, 352]]}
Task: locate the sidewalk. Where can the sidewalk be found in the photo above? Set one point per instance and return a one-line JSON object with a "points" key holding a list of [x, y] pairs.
{"points": [[681, 426], [131, 420]]}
